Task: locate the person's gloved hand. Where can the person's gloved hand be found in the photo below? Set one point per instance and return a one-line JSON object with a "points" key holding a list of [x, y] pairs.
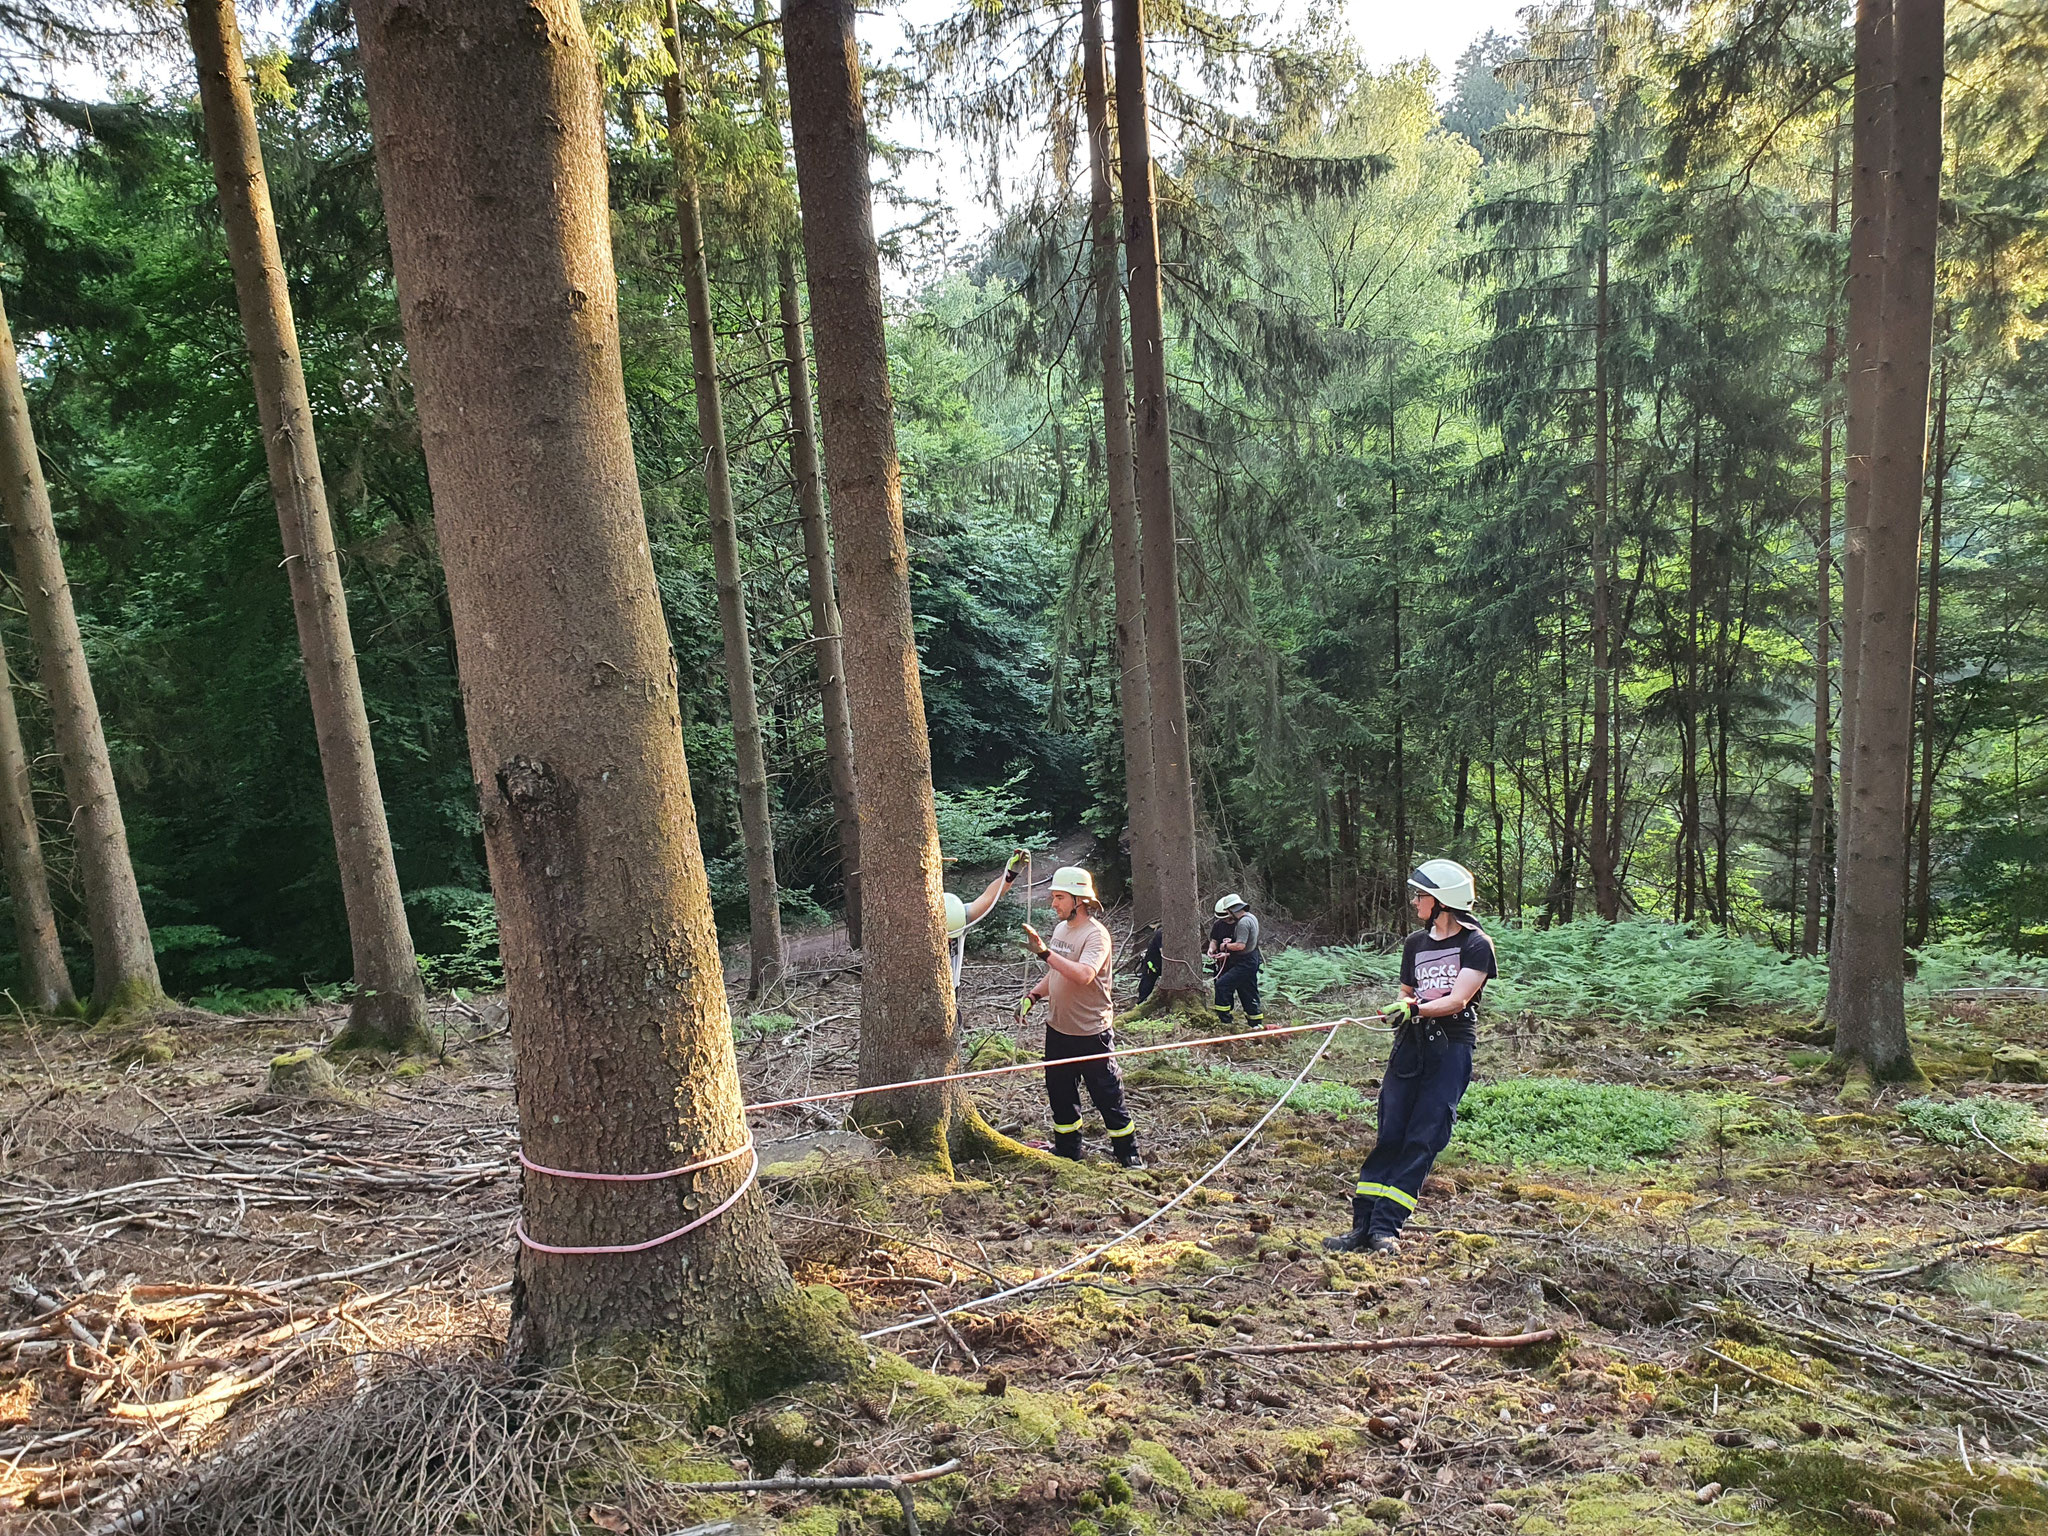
{"points": [[1016, 862], [1036, 943], [1400, 1011], [1024, 1004]]}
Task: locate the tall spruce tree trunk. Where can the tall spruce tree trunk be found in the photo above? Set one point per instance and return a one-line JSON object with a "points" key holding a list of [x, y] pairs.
{"points": [[1172, 766], [1600, 848], [757, 829], [1870, 1031], [44, 977], [1822, 781], [1930, 638], [124, 974], [389, 1011], [817, 533], [1134, 683], [1869, 212], [907, 1025], [491, 156]]}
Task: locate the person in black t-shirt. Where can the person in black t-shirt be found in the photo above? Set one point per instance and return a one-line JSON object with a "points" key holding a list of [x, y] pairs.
{"points": [[1444, 968]]}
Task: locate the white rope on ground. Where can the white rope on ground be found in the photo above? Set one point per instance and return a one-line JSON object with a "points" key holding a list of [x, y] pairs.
{"points": [[1095, 1253]]}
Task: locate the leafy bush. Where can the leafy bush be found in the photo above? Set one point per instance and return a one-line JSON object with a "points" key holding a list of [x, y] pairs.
{"points": [[1951, 963], [456, 934], [1296, 975], [2001, 1120], [199, 958], [1578, 1125], [981, 826]]}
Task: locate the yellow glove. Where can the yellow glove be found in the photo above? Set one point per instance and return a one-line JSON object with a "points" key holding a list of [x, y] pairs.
{"points": [[1024, 1007], [1400, 1011], [1016, 863]]}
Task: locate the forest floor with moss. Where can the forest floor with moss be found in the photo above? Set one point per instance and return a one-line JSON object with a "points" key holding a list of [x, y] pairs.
{"points": [[1772, 1315]]}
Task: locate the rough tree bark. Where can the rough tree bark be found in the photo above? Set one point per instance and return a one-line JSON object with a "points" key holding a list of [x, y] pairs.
{"points": [[44, 977], [1823, 547], [389, 1011], [1870, 1031], [1180, 911], [1134, 690], [124, 974], [1869, 211], [817, 531], [757, 829], [490, 153], [907, 1020]]}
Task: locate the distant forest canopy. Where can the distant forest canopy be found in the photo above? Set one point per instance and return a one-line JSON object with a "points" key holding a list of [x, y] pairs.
{"points": [[1383, 295]]}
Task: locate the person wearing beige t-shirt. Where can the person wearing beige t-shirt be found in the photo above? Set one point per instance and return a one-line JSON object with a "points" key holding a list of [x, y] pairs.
{"points": [[1076, 983]]}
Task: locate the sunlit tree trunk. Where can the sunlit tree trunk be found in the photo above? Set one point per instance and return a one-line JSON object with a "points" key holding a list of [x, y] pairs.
{"points": [[1172, 766], [757, 828], [1823, 547], [1134, 689], [46, 983], [123, 963], [389, 1010], [1869, 212], [1923, 879], [817, 533], [907, 1023], [1871, 1027], [491, 156]]}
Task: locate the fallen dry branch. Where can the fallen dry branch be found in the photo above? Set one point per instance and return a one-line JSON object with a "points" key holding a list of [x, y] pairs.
{"points": [[1370, 1346], [897, 1483]]}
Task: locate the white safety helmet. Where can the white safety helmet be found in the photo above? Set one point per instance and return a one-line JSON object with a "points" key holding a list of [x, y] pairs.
{"points": [[1229, 904], [956, 916], [1448, 881], [1075, 881]]}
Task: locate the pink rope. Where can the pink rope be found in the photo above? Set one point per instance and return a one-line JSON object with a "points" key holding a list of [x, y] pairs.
{"points": [[519, 1227], [1040, 1066], [635, 1178]]}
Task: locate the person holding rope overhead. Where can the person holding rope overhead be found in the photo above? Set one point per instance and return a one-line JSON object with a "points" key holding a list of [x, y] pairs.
{"points": [[1234, 942], [1077, 983], [963, 915], [1444, 968]]}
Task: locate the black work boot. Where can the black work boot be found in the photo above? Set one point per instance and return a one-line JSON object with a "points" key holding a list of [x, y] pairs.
{"points": [[1125, 1150], [1067, 1144], [1357, 1240]]}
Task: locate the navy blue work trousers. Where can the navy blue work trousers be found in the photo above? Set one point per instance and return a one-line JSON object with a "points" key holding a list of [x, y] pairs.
{"points": [[1063, 1080], [1426, 1077], [1238, 981]]}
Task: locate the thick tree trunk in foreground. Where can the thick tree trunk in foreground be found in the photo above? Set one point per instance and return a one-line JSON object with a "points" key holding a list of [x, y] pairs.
{"points": [[1134, 684], [1869, 212], [43, 974], [906, 1025], [1823, 547], [1871, 1027], [1180, 911], [490, 154], [124, 975], [764, 895], [390, 1007], [810, 500]]}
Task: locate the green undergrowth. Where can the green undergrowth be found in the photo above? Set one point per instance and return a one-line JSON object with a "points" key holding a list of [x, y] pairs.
{"points": [[1646, 971], [1549, 1120], [1961, 1122], [1820, 1489]]}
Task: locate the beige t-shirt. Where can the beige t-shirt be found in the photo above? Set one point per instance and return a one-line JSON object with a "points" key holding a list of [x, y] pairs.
{"points": [[1080, 1008]]}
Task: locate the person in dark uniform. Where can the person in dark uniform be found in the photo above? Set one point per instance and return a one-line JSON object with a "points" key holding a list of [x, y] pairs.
{"points": [[1444, 968], [1238, 961]]}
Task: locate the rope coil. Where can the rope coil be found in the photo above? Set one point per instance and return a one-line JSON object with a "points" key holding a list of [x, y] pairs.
{"points": [[519, 1226]]}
